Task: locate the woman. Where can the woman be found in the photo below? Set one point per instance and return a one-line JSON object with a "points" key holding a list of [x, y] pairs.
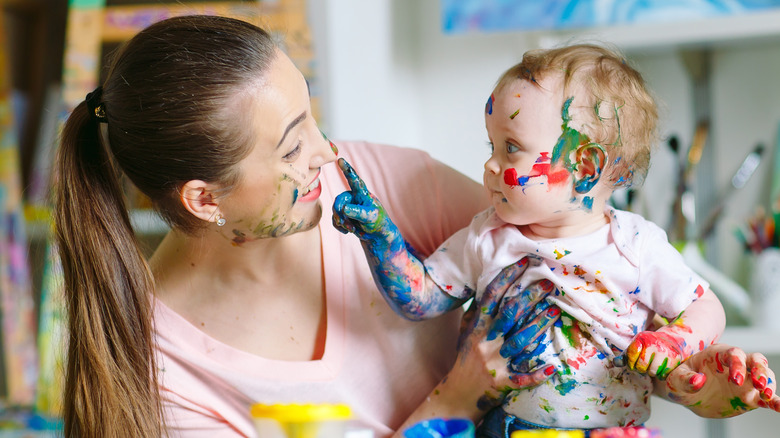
{"points": [[250, 297]]}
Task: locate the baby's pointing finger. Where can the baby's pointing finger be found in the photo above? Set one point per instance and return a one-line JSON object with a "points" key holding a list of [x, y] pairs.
{"points": [[356, 184]]}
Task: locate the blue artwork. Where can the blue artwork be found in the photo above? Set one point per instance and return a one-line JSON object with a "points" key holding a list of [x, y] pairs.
{"points": [[460, 16]]}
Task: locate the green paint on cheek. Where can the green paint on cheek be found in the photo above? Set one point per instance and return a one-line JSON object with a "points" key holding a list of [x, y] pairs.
{"points": [[569, 140]]}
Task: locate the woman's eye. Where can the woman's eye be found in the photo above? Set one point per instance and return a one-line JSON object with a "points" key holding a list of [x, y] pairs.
{"points": [[293, 154], [510, 148]]}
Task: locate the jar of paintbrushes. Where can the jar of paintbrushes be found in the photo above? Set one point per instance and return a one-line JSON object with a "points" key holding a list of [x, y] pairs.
{"points": [[761, 237]]}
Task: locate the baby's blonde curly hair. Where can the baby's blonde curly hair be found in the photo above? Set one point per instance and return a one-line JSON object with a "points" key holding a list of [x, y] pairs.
{"points": [[619, 112]]}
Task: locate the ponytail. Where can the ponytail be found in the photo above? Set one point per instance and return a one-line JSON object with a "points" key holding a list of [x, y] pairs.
{"points": [[110, 378]]}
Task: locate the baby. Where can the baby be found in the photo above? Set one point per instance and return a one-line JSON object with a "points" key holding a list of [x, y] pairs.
{"points": [[567, 127]]}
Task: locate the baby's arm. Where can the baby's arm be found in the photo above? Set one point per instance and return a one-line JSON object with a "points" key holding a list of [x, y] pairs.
{"points": [[398, 273], [659, 352]]}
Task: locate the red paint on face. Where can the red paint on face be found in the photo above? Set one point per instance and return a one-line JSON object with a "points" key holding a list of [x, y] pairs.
{"points": [[510, 177], [543, 167]]}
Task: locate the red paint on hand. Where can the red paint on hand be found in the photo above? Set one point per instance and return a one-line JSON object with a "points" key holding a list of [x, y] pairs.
{"points": [[697, 381]]}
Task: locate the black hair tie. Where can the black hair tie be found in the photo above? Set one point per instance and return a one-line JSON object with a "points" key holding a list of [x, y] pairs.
{"points": [[97, 110]]}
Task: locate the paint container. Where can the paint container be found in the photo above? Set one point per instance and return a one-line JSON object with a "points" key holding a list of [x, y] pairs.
{"points": [[300, 420], [548, 433], [765, 288], [441, 428], [626, 432]]}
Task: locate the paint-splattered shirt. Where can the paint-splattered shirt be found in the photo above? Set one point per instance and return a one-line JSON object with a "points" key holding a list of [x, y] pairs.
{"points": [[609, 284]]}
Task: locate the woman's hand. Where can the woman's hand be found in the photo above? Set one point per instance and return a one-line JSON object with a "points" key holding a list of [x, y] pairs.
{"points": [[503, 328], [721, 382], [480, 379]]}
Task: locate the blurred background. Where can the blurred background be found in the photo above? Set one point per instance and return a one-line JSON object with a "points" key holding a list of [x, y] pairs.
{"points": [[417, 73]]}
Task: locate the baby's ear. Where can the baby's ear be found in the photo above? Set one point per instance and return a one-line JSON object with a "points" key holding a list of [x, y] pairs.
{"points": [[591, 160], [197, 197]]}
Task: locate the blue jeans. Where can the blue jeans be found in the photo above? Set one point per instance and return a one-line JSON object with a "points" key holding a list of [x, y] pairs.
{"points": [[497, 423]]}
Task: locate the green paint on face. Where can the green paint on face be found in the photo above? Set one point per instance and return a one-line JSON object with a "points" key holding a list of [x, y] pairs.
{"points": [[569, 140]]}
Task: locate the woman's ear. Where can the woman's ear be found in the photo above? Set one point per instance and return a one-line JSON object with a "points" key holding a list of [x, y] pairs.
{"points": [[197, 197], [591, 160]]}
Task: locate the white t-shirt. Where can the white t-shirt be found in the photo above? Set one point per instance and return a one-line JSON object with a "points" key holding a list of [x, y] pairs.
{"points": [[609, 284], [378, 363]]}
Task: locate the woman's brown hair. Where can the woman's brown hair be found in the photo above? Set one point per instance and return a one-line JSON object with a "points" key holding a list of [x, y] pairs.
{"points": [[170, 103]]}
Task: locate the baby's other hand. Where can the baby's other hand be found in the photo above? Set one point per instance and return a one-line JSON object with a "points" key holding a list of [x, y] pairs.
{"points": [[655, 353]]}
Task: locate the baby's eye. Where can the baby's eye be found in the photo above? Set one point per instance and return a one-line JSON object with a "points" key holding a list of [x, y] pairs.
{"points": [[490, 146], [293, 154], [510, 148]]}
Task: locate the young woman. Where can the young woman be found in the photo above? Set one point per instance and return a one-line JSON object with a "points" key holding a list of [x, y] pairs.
{"points": [[251, 297]]}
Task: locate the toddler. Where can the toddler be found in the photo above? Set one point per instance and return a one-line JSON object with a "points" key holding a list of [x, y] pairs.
{"points": [[567, 126]]}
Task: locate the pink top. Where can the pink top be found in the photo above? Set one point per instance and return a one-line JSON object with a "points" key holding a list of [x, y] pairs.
{"points": [[378, 363]]}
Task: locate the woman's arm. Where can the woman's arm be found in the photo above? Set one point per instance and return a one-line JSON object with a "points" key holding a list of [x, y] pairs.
{"points": [[720, 382]]}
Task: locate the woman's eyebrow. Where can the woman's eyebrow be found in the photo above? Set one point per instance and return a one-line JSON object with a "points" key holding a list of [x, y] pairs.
{"points": [[292, 124]]}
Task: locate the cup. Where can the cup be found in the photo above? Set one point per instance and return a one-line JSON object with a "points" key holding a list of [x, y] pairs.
{"points": [[765, 288], [300, 420], [441, 428]]}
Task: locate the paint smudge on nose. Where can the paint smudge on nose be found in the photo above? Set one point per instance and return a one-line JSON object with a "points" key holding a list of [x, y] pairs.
{"points": [[489, 104], [332, 146]]}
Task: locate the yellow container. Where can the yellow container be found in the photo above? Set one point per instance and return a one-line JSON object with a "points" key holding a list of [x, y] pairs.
{"points": [[548, 433], [300, 420]]}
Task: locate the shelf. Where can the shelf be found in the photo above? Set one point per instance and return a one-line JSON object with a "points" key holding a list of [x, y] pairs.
{"points": [[721, 31]]}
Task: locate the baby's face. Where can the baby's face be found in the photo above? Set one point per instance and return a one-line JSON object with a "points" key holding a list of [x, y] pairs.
{"points": [[525, 126]]}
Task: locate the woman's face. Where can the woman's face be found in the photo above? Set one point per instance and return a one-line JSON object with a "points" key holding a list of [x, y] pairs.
{"points": [[279, 188]]}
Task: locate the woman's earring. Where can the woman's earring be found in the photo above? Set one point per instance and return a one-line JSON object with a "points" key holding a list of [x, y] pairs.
{"points": [[220, 220]]}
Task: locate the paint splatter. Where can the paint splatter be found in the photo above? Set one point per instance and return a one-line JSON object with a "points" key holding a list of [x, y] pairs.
{"points": [[514, 114], [542, 167], [560, 255], [489, 104], [510, 177]]}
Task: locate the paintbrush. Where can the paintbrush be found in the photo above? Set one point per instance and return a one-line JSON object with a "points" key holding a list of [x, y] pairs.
{"points": [[740, 178]]}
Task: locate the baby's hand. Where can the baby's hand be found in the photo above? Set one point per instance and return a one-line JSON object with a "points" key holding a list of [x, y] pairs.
{"points": [[655, 353], [358, 211]]}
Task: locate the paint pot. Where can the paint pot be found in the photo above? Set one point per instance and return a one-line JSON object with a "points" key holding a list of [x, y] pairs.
{"points": [[765, 289], [300, 420], [548, 433], [625, 432], [441, 428]]}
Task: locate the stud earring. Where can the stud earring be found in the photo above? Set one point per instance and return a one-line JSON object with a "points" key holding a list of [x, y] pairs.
{"points": [[220, 220]]}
